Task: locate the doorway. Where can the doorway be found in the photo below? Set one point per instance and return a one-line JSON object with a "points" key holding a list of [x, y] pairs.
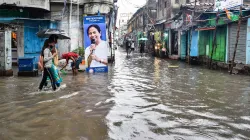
{"points": [[14, 48]]}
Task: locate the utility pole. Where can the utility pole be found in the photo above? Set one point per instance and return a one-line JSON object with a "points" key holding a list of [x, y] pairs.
{"points": [[110, 31], [190, 39], [146, 24], [112, 35], [114, 28], [214, 40], [70, 18], [78, 25], [119, 30], [237, 39]]}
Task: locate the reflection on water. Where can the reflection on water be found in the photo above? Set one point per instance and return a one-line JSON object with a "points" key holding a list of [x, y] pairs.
{"points": [[140, 98], [160, 99], [27, 114]]}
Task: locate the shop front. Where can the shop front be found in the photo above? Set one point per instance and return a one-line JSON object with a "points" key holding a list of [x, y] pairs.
{"points": [[184, 44], [241, 55], [161, 40]]}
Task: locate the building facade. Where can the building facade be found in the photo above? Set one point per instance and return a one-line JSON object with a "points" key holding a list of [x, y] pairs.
{"points": [[142, 23], [25, 18], [70, 14]]}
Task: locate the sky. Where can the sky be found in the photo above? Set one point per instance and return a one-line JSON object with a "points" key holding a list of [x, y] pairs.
{"points": [[129, 6]]}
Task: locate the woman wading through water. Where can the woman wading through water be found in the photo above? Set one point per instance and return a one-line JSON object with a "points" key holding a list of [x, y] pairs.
{"points": [[47, 65]]}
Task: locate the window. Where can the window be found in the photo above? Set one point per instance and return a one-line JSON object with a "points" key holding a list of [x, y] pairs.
{"points": [[188, 1], [165, 4], [177, 1]]}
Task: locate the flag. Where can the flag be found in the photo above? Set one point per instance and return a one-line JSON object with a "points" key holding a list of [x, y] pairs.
{"points": [[228, 14], [231, 16]]}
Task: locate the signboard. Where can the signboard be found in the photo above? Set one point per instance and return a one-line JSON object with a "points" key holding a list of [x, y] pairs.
{"points": [[96, 46], [226, 4]]}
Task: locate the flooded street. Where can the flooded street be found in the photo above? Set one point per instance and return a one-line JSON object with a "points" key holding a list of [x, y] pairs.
{"points": [[141, 98]]}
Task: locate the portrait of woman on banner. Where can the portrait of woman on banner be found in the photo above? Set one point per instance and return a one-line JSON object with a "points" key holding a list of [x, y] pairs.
{"points": [[96, 54]]}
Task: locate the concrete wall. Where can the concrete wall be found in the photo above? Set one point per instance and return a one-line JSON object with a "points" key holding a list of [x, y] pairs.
{"points": [[73, 29], [163, 9], [8, 53], [92, 8], [151, 4], [42, 4], [5, 53]]}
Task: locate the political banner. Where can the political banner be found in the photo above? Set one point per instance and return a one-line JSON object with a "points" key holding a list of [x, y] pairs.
{"points": [[95, 44]]}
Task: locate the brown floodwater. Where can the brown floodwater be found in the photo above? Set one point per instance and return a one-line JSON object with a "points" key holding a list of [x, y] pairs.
{"points": [[140, 98]]}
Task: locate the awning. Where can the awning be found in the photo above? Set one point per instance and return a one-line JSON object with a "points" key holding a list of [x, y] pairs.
{"points": [[7, 19], [161, 21], [205, 28]]}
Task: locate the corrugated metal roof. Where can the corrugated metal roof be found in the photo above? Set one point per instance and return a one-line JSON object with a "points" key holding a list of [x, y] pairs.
{"points": [[199, 7], [161, 21]]}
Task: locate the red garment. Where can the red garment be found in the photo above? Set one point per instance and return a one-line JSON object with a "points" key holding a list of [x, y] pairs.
{"points": [[70, 54]]}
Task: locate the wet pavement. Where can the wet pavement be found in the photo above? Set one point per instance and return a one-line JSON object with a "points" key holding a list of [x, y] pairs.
{"points": [[141, 98]]}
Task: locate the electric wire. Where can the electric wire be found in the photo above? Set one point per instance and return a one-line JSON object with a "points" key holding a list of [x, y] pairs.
{"points": [[136, 6]]}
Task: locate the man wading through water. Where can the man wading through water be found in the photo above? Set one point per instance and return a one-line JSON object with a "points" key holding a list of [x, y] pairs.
{"points": [[142, 46], [128, 46]]}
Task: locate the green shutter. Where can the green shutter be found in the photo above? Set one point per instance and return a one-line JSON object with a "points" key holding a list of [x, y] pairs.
{"points": [[220, 46], [205, 39]]}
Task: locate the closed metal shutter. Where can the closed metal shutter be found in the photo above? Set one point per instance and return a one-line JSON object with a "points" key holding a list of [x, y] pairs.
{"points": [[241, 48]]}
